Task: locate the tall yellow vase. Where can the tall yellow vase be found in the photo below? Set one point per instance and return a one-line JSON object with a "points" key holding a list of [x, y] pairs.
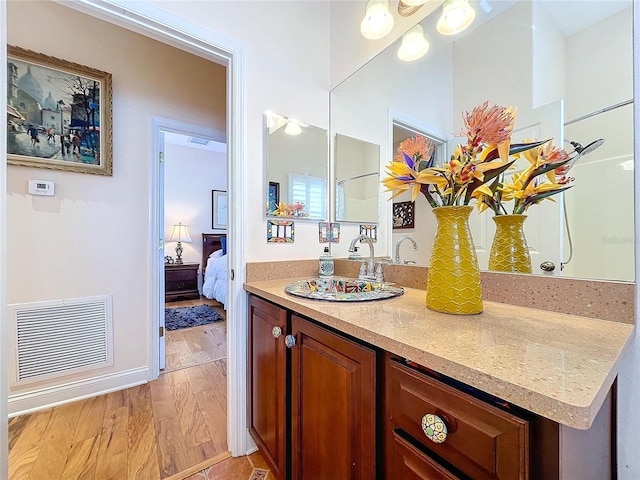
{"points": [[453, 279], [509, 251]]}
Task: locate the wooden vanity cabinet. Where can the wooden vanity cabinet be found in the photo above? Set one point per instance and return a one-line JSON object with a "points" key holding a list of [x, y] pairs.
{"points": [[325, 407], [313, 400], [481, 441], [333, 405], [268, 419]]}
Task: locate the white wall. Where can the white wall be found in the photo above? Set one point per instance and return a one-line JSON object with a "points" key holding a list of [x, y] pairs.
{"points": [[287, 71], [92, 237], [190, 174], [606, 68]]}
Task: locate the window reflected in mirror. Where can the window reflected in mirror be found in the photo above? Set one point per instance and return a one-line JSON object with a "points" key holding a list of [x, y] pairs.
{"points": [[297, 158]]}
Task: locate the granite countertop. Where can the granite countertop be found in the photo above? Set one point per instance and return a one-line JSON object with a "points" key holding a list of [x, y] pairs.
{"points": [[556, 365]]}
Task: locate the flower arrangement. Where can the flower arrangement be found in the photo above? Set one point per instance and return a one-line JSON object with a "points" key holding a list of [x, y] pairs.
{"points": [[545, 176], [282, 209], [483, 158]]}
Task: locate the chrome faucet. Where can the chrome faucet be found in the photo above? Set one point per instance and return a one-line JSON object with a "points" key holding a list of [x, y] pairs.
{"points": [[371, 274], [406, 237]]}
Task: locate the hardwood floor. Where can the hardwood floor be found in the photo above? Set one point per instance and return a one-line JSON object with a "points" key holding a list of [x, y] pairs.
{"points": [[153, 431], [196, 345], [166, 429]]}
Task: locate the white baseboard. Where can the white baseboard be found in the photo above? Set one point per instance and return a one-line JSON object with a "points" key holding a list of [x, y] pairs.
{"points": [[48, 397]]}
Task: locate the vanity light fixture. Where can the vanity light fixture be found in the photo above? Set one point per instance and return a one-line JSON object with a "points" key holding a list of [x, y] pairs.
{"points": [[293, 127], [377, 21], [456, 16], [414, 45], [406, 10]]}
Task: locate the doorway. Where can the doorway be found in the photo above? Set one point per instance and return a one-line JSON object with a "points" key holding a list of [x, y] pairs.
{"points": [[194, 170]]}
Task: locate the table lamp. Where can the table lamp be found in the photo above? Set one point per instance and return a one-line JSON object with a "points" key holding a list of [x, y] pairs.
{"points": [[179, 233]]}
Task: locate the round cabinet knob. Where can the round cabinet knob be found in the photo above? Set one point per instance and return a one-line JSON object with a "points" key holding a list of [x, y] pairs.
{"points": [[434, 428], [547, 266], [276, 332], [289, 341]]}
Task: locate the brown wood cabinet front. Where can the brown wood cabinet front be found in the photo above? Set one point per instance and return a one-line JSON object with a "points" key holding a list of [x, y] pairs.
{"points": [[409, 463], [267, 382], [483, 441], [333, 401], [181, 282]]}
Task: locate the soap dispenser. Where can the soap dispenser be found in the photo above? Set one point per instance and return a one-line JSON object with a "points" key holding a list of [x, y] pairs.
{"points": [[355, 255], [326, 264]]}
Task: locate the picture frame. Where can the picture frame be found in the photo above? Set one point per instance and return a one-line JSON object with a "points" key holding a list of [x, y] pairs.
{"points": [[71, 129], [403, 215], [219, 209], [273, 196]]}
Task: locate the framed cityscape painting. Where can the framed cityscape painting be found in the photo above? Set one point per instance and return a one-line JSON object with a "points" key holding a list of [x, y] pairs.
{"points": [[59, 114]]}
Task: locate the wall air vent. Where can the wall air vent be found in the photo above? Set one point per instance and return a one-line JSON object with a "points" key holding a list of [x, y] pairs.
{"points": [[60, 337]]}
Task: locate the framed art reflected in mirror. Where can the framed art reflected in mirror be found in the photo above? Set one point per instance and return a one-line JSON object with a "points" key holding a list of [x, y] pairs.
{"points": [[274, 196], [403, 215]]}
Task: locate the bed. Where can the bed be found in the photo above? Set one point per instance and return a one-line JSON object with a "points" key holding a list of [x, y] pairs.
{"points": [[214, 261]]}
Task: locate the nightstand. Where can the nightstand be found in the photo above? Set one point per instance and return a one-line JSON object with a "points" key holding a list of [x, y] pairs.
{"points": [[181, 282]]}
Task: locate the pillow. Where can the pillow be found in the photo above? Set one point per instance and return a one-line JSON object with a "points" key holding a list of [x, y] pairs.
{"points": [[216, 254], [223, 241]]}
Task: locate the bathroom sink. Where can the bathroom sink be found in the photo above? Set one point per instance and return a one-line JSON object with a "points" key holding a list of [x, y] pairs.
{"points": [[339, 289]]}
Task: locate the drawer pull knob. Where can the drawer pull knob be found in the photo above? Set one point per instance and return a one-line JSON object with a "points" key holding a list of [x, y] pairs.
{"points": [[434, 428], [289, 341], [276, 332]]}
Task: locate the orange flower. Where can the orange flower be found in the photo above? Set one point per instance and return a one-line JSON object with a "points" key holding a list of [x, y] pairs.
{"points": [[492, 126], [417, 148]]}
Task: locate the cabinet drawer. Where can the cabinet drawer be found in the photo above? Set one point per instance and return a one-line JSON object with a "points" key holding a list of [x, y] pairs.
{"points": [[483, 441], [181, 275], [178, 286], [409, 463]]}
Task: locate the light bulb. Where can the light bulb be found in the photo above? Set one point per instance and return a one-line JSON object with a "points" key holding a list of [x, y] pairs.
{"points": [[456, 16], [292, 128], [377, 21], [414, 45], [414, 3]]}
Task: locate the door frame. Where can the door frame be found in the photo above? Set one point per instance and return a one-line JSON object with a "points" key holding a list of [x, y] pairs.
{"points": [[159, 126], [160, 25]]}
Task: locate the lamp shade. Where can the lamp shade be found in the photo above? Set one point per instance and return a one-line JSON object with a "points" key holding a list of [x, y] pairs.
{"points": [[180, 233], [377, 21], [456, 16], [414, 45]]}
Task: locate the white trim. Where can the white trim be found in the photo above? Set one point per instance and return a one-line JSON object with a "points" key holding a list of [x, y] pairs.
{"points": [[4, 441], [48, 397], [156, 216], [160, 25]]}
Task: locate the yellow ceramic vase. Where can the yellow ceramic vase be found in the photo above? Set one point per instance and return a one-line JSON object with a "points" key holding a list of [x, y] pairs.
{"points": [[509, 251], [453, 279]]}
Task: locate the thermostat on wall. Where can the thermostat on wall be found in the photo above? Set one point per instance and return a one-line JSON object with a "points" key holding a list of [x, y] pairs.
{"points": [[41, 187]]}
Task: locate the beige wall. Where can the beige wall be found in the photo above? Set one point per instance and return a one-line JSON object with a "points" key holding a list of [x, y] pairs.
{"points": [[92, 237]]}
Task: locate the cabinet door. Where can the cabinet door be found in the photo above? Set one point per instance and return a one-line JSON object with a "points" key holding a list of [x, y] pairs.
{"points": [[267, 382], [333, 390]]}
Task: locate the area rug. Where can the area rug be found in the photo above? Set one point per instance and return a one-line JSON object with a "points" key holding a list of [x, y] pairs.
{"points": [[185, 317]]}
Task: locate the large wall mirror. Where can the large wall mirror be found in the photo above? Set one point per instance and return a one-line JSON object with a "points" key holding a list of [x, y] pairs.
{"points": [[567, 67], [296, 156]]}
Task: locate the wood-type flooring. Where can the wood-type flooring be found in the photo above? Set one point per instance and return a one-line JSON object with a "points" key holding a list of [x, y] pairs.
{"points": [[169, 428]]}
